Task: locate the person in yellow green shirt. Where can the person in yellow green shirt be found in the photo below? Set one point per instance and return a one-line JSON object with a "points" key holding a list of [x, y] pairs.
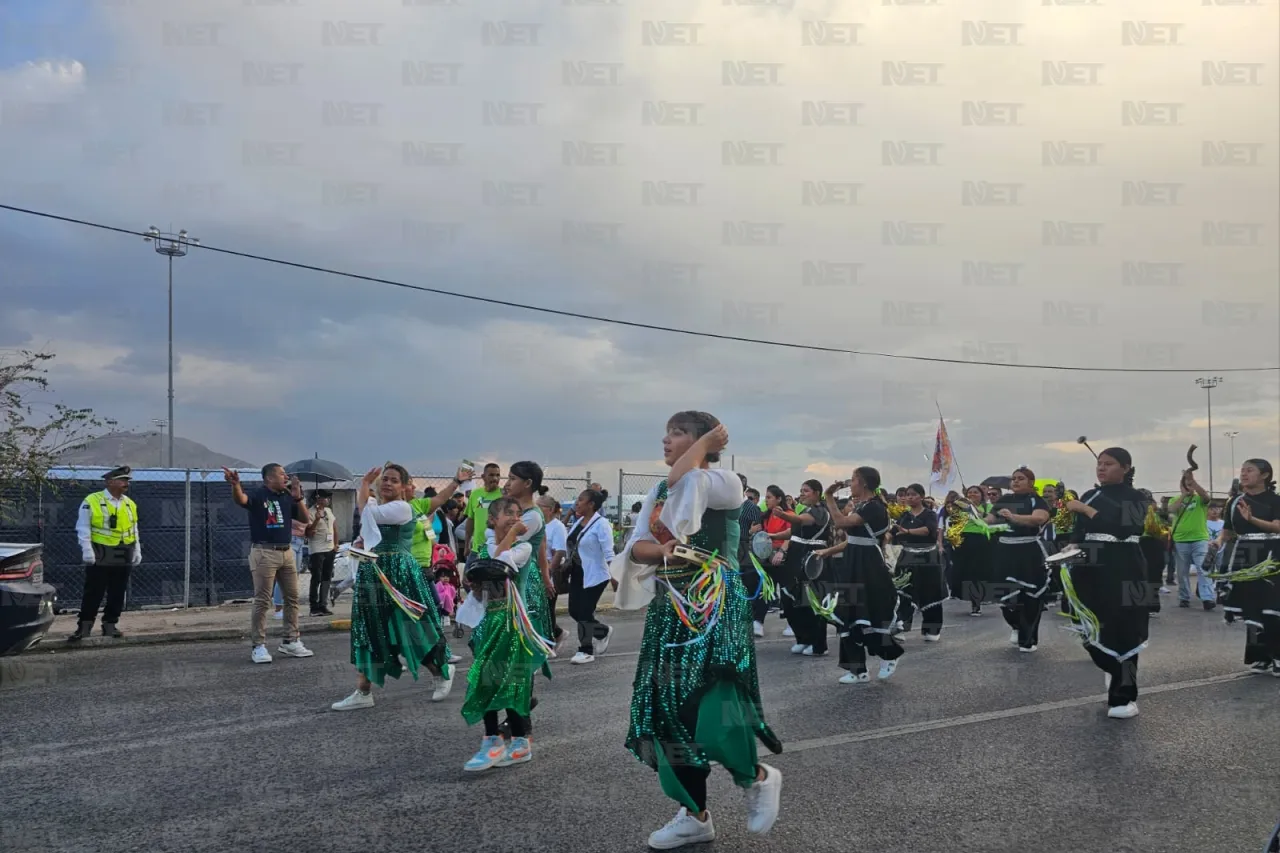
{"points": [[477, 512], [1190, 532]]}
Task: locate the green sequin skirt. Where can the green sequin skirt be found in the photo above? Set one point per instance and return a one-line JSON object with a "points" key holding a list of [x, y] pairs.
{"points": [[501, 676], [384, 640], [695, 704]]}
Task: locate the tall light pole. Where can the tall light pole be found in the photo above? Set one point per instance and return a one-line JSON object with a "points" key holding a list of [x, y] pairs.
{"points": [[171, 246], [160, 424], [1208, 383], [1231, 434]]}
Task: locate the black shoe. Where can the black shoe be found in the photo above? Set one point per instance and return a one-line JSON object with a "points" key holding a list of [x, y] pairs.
{"points": [[110, 630], [83, 630], [1209, 605], [1184, 603]]}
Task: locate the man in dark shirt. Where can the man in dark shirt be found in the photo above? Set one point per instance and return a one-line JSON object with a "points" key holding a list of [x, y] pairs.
{"points": [[749, 522], [272, 509]]}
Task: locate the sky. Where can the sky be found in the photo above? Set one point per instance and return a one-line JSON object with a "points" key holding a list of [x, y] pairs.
{"points": [[1086, 184]]}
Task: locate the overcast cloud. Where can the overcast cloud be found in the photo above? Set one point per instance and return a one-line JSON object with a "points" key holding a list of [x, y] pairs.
{"points": [[940, 180]]}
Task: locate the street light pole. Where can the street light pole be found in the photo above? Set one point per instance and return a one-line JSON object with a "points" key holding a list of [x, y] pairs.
{"points": [[160, 424], [172, 246], [1208, 383], [1231, 434]]}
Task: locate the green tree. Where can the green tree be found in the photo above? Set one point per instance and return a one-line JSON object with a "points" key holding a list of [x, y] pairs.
{"points": [[33, 433]]}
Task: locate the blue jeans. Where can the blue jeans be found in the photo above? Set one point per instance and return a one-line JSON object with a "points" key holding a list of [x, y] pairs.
{"points": [[278, 598], [1188, 555]]}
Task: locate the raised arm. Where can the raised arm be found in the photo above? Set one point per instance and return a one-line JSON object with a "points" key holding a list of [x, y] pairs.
{"points": [[696, 455], [237, 492], [442, 496]]}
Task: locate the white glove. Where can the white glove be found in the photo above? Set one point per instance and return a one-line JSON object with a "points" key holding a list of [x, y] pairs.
{"points": [[87, 555], [136, 559]]}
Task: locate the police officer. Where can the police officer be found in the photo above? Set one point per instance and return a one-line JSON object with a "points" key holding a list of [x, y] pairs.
{"points": [[108, 532]]}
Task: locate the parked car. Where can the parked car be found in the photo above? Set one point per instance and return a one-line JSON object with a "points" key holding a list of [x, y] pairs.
{"points": [[26, 601]]}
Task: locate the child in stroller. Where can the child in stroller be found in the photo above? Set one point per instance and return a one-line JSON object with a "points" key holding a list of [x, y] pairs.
{"points": [[444, 568]]}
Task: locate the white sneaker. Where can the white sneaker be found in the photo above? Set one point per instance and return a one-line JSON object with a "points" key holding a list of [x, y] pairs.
{"points": [[443, 687], [810, 653], [354, 702], [887, 668], [798, 648], [1123, 712], [278, 615], [757, 629], [787, 632], [1013, 637], [683, 829], [1164, 590], [932, 638], [855, 678], [602, 645], [444, 621], [1026, 650], [294, 649], [261, 655], [763, 799], [582, 657], [454, 658]]}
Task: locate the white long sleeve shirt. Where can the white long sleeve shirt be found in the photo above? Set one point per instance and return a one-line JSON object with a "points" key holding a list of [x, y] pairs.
{"points": [[83, 532], [595, 549]]}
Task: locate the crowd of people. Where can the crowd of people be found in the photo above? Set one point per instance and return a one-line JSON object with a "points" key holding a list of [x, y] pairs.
{"points": [[710, 558]]}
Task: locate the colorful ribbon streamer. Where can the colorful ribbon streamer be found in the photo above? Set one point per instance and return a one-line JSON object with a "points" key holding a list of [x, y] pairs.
{"points": [[767, 588], [702, 602], [1084, 621], [826, 608], [522, 622], [902, 581], [412, 609]]}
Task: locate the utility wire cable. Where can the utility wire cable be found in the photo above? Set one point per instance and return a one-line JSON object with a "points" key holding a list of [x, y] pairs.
{"points": [[634, 324]]}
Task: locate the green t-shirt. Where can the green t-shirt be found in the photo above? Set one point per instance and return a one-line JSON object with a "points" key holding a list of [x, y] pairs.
{"points": [[422, 542], [1193, 521], [478, 511]]}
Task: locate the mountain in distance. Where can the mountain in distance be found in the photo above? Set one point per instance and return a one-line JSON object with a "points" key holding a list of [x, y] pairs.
{"points": [[147, 450]]}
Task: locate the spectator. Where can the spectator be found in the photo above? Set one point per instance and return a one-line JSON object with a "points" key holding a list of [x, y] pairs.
{"points": [[477, 512], [271, 508], [590, 550], [749, 523], [322, 544], [1190, 535]]}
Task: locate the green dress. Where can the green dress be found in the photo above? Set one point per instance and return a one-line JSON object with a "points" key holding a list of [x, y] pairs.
{"points": [[501, 675], [384, 639], [698, 703]]}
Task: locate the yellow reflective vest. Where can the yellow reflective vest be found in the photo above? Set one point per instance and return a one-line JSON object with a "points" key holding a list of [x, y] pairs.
{"points": [[100, 511]]}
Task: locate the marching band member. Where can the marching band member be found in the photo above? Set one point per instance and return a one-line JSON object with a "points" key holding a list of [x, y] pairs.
{"points": [[1253, 591], [1099, 585], [972, 557], [916, 531], [808, 533], [1019, 558]]}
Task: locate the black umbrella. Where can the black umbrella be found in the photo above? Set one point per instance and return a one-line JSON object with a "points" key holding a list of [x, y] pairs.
{"points": [[318, 471], [999, 482]]}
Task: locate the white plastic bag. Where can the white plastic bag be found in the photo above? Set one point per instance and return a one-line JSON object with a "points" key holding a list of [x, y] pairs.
{"points": [[472, 611]]}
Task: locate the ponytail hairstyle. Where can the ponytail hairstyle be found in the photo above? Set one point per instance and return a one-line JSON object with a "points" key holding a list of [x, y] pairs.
{"points": [[917, 488], [1122, 456], [815, 486], [1268, 474], [402, 471], [777, 492], [530, 471], [596, 498], [870, 478], [542, 491]]}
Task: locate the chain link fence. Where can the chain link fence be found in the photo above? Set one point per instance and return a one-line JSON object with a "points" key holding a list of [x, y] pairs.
{"points": [[632, 489]]}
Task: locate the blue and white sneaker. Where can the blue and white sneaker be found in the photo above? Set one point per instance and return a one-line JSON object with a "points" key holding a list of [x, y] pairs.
{"points": [[492, 750], [517, 752]]}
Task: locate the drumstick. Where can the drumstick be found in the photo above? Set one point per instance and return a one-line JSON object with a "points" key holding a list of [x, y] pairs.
{"points": [[1085, 441]]}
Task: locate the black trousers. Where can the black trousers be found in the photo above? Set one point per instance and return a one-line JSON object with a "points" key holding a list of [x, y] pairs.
{"points": [[109, 577], [321, 577], [1123, 687], [1023, 613], [752, 580], [855, 647], [810, 628], [582, 609], [519, 725]]}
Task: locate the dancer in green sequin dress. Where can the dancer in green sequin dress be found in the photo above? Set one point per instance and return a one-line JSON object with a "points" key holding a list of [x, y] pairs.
{"points": [[385, 638], [696, 696]]}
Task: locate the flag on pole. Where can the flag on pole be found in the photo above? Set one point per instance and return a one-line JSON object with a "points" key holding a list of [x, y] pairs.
{"points": [[943, 460]]}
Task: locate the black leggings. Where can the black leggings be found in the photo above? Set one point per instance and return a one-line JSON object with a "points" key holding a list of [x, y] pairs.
{"points": [[321, 577], [519, 725], [1123, 686]]}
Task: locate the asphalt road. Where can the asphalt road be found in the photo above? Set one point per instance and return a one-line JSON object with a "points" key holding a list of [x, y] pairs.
{"points": [[970, 747]]}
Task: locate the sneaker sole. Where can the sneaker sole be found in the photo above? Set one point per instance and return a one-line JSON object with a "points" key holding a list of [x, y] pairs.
{"points": [[776, 809], [308, 653], [351, 707], [514, 761], [684, 842], [466, 769]]}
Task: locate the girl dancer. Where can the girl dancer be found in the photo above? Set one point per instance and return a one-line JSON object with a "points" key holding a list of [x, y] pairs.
{"points": [[1253, 578], [696, 698], [865, 595], [916, 530], [1099, 584], [394, 614], [779, 531], [590, 546], [507, 649], [972, 556], [1019, 558], [809, 530]]}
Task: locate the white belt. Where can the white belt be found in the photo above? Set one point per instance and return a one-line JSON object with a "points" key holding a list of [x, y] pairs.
{"points": [[1020, 540], [1255, 537], [919, 550], [1107, 537], [864, 541], [800, 541]]}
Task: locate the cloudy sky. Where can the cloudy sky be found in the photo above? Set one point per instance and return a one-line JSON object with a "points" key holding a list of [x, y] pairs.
{"points": [[1090, 184]]}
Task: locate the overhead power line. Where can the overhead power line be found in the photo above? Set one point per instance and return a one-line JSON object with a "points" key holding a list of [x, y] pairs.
{"points": [[634, 324]]}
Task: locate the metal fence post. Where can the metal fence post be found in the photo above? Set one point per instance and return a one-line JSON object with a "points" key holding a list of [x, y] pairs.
{"points": [[186, 556], [619, 498]]}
